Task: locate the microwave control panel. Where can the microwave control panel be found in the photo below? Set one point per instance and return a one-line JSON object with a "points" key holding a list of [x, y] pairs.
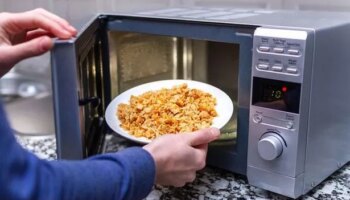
{"points": [[279, 54], [277, 75]]}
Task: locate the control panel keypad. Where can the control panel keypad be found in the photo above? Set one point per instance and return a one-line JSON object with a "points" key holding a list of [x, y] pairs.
{"points": [[282, 61], [279, 51]]}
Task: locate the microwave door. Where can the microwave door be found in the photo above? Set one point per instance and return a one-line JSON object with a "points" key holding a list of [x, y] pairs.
{"points": [[81, 82]]}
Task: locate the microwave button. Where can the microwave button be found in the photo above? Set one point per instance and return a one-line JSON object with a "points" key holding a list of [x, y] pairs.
{"points": [[278, 50], [264, 48], [257, 118], [289, 125], [292, 70], [293, 51], [277, 68], [263, 66]]}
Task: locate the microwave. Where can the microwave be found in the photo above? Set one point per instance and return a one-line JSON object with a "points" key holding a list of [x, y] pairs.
{"points": [[287, 73]]}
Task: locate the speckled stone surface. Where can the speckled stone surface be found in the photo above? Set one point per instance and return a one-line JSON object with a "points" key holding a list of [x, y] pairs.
{"points": [[211, 183]]}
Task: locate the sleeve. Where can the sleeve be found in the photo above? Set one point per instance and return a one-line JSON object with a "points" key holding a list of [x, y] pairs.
{"points": [[128, 174]]}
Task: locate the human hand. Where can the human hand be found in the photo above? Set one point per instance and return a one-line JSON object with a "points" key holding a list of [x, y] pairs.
{"points": [[27, 34], [178, 157]]}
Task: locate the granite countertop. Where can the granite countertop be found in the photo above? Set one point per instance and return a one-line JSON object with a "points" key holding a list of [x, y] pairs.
{"points": [[211, 183]]}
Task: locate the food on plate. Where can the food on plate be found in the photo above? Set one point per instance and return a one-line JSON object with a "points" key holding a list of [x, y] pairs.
{"points": [[168, 110]]}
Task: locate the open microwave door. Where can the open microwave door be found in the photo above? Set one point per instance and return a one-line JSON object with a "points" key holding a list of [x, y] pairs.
{"points": [[80, 91]]}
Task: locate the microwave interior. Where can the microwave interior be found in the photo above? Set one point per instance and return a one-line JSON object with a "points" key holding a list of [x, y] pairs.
{"points": [[118, 53], [137, 58]]}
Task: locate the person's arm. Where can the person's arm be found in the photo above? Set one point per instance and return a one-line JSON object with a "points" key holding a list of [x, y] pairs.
{"points": [[128, 174]]}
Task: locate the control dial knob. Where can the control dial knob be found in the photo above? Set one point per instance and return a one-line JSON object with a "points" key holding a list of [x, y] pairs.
{"points": [[270, 146]]}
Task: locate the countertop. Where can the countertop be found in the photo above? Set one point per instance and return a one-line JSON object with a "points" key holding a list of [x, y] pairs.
{"points": [[211, 183]]}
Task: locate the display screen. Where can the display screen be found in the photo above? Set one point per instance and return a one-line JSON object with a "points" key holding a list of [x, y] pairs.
{"points": [[279, 95]]}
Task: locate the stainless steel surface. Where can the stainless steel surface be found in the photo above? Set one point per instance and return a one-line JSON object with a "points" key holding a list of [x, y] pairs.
{"points": [[286, 163], [276, 182], [291, 162], [329, 111], [271, 18], [314, 141]]}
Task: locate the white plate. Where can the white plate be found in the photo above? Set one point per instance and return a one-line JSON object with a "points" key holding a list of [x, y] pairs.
{"points": [[224, 105]]}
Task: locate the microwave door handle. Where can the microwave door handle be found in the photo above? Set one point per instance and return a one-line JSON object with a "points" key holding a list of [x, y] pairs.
{"points": [[95, 101]]}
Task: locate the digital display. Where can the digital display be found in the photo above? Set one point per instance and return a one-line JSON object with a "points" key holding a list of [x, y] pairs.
{"points": [[274, 93], [279, 95]]}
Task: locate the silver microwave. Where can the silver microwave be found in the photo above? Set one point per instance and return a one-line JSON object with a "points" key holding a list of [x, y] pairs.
{"points": [[287, 73]]}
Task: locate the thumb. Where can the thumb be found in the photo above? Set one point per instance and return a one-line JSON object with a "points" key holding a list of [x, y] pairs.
{"points": [[203, 136], [29, 48]]}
